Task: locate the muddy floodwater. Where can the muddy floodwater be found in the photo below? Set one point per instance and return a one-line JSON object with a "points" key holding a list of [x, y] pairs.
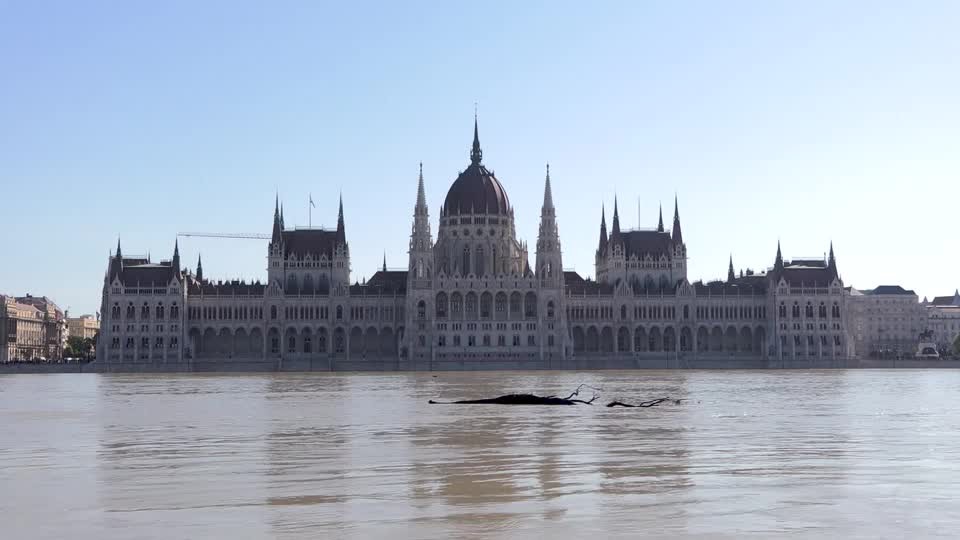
{"points": [[809, 454]]}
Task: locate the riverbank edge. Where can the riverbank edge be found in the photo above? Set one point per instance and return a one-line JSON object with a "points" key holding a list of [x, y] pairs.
{"points": [[380, 365]]}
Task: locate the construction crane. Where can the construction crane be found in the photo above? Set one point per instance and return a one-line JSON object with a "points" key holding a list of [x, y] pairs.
{"points": [[243, 236]]}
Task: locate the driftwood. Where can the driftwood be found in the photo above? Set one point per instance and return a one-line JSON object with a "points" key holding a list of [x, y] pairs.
{"points": [[526, 399], [651, 403]]}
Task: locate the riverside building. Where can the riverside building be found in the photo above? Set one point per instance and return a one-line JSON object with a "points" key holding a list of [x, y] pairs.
{"points": [[472, 297]]}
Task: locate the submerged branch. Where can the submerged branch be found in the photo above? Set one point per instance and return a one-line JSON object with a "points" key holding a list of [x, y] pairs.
{"points": [[651, 403], [525, 399]]}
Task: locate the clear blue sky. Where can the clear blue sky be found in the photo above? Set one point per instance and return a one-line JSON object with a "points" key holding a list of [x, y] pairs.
{"points": [[800, 121]]}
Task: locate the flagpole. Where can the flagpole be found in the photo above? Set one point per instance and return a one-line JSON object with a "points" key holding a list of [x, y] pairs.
{"points": [[310, 212]]}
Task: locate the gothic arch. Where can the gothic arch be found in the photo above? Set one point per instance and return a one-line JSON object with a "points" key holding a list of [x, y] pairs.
{"points": [[606, 339], [655, 340], [716, 339], [530, 305], [578, 339], [686, 339], [669, 339], [730, 339], [623, 339], [640, 343], [593, 340], [703, 339]]}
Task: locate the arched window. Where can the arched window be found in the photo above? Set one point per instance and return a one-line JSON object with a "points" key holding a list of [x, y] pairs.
{"points": [[465, 264], [307, 345], [131, 311], [115, 311], [160, 311], [493, 260], [623, 312], [273, 312], [796, 310], [145, 312], [174, 311], [339, 312], [291, 344], [421, 310], [822, 310], [441, 305], [783, 310], [809, 310], [478, 262], [836, 311], [550, 309]]}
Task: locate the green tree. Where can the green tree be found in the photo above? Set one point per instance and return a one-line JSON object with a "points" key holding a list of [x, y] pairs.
{"points": [[78, 347]]}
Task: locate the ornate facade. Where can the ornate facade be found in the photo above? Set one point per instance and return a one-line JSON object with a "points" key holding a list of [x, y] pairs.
{"points": [[470, 298]]}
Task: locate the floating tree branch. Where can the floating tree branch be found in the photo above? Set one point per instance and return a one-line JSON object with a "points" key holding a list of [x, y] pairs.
{"points": [[526, 399]]}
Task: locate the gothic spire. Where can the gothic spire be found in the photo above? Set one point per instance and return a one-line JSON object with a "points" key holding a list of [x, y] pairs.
{"points": [[384, 261], [547, 192], [199, 268], [341, 233], [730, 275], [603, 230], [476, 154], [421, 194], [660, 225], [616, 219], [778, 263], [832, 261], [282, 224], [677, 233], [176, 255], [119, 253], [277, 227]]}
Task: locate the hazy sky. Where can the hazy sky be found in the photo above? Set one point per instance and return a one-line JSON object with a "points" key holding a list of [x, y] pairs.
{"points": [[800, 121]]}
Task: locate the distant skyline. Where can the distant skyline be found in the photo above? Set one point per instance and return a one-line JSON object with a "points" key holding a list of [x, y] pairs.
{"points": [[804, 123]]}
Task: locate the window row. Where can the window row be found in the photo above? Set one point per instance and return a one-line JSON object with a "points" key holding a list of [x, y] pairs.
{"points": [[158, 311], [808, 310], [225, 313]]}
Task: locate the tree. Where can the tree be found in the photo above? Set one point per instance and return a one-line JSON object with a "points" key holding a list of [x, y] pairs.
{"points": [[78, 347], [956, 346]]}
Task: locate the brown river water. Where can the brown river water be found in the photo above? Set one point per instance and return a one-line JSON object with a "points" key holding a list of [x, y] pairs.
{"points": [[750, 454]]}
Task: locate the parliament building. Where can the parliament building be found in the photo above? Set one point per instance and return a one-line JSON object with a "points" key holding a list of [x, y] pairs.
{"points": [[471, 299]]}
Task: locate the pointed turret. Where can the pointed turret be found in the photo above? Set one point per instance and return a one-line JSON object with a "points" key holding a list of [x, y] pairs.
{"points": [[277, 227], [199, 268], [677, 233], [730, 274], [476, 154], [283, 225], [549, 261], [660, 224], [615, 230], [602, 248], [384, 261], [176, 255], [778, 263], [119, 253], [832, 262], [341, 232], [421, 208], [547, 193]]}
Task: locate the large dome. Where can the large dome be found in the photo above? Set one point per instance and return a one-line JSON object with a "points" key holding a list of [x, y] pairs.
{"points": [[476, 190]]}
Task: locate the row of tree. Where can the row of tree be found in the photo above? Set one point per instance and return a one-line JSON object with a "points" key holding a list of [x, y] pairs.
{"points": [[80, 347]]}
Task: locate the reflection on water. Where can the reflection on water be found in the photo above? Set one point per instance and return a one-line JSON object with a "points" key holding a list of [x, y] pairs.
{"points": [[817, 454]]}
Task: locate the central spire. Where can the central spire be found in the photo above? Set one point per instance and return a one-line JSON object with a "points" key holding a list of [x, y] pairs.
{"points": [[476, 154]]}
